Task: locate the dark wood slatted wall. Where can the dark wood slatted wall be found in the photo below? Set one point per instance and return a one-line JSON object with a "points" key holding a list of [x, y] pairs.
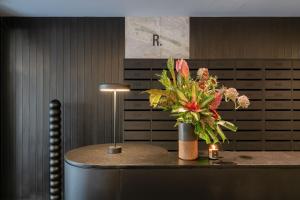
{"points": [[271, 123], [47, 58]]}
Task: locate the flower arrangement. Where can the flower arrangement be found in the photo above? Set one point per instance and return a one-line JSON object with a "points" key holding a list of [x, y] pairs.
{"points": [[195, 101]]}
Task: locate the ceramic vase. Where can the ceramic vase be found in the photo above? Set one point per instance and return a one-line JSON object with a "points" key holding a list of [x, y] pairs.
{"points": [[187, 142]]}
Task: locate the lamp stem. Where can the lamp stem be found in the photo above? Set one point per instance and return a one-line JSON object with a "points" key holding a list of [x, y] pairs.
{"points": [[115, 108]]}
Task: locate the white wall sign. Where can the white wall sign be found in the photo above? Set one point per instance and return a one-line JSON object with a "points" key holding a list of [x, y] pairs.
{"points": [[157, 37]]}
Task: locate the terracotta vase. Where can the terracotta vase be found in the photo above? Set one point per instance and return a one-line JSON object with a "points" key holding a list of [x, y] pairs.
{"points": [[187, 142]]}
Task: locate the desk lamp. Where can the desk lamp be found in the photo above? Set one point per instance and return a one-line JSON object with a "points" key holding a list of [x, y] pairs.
{"points": [[114, 87]]}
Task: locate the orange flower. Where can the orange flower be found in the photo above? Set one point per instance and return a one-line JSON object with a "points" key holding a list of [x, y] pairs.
{"points": [[192, 106], [182, 68]]}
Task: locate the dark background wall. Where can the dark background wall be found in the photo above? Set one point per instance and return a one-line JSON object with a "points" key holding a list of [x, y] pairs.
{"points": [[47, 58], [66, 58], [260, 38]]}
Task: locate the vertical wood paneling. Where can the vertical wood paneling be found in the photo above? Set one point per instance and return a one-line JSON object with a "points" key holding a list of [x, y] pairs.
{"points": [[254, 38], [80, 81], [101, 76], [46, 92], [12, 121], [94, 80], [108, 73], [47, 58], [32, 108], [67, 84], [18, 112], [73, 86], [120, 44], [40, 114]]}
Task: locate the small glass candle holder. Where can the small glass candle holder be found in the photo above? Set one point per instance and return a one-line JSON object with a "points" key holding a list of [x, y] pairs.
{"points": [[213, 152]]}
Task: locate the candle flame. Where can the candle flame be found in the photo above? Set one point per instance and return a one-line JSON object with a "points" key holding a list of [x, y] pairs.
{"points": [[214, 147]]}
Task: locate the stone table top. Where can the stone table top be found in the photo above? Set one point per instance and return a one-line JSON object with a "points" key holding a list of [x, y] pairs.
{"points": [[149, 156]]}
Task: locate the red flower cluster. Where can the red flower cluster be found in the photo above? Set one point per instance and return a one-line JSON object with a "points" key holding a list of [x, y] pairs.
{"points": [[192, 106]]}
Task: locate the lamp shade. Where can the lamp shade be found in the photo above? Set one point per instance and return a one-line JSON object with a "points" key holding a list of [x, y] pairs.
{"points": [[114, 87]]}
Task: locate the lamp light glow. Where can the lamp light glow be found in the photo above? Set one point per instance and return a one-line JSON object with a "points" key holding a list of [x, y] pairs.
{"points": [[114, 90], [114, 87]]}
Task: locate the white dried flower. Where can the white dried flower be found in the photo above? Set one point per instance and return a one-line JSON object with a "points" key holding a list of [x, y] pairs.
{"points": [[231, 93], [243, 101], [203, 74]]}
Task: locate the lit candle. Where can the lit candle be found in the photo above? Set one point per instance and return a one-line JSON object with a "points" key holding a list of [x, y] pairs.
{"points": [[213, 152]]}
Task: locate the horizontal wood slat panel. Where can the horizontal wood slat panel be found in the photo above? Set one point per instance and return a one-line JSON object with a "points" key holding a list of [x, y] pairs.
{"points": [[272, 122], [249, 74], [239, 84], [296, 145], [279, 74], [278, 135], [248, 145], [137, 105], [278, 145]]}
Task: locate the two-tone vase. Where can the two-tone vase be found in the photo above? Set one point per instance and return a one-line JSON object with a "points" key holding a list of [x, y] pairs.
{"points": [[187, 142]]}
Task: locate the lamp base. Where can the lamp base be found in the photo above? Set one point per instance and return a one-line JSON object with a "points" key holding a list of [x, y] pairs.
{"points": [[114, 149]]}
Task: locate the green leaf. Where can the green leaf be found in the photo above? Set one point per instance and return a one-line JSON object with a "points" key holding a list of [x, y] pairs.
{"points": [[212, 135], [201, 133], [154, 99], [181, 96], [205, 137], [194, 92], [170, 65], [196, 116], [179, 80], [207, 101], [164, 80], [156, 91], [228, 125], [205, 112], [221, 133]]}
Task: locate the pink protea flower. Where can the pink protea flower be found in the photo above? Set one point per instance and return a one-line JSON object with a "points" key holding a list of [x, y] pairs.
{"points": [[179, 65], [203, 74], [185, 71], [182, 68], [243, 101], [231, 93]]}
